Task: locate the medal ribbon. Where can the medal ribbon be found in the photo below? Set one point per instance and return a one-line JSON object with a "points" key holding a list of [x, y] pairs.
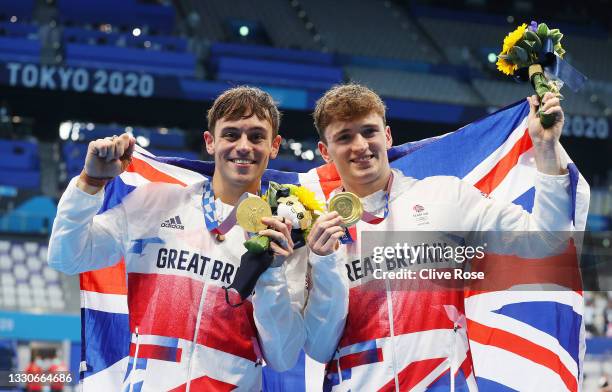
{"points": [[210, 212]]}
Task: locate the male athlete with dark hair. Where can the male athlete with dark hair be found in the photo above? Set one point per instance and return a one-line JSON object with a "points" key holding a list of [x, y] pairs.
{"points": [[184, 334]]}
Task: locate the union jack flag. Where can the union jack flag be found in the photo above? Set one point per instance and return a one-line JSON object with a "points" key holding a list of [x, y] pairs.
{"points": [[519, 340]]}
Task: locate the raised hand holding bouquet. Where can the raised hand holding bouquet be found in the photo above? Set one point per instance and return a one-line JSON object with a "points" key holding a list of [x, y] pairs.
{"points": [[534, 53]]}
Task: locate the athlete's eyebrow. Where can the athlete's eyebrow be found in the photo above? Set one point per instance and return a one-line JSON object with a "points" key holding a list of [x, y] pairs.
{"points": [[237, 129]]}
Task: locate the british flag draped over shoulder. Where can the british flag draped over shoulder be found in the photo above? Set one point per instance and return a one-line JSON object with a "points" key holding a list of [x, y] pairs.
{"points": [[519, 340]]}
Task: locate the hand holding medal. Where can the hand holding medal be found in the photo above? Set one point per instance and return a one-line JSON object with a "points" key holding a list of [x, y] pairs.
{"points": [[249, 214], [295, 208], [295, 204], [345, 210], [348, 206]]}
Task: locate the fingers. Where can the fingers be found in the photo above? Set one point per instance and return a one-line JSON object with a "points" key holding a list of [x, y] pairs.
{"points": [[330, 233], [130, 147], [99, 148], [112, 148], [279, 244], [280, 251], [551, 105], [111, 151], [280, 234], [325, 234], [321, 227], [328, 245], [554, 109], [328, 221], [279, 225], [324, 222], [549, 101], [533, 104], [332, 243], [548, 96], [278, 222]]}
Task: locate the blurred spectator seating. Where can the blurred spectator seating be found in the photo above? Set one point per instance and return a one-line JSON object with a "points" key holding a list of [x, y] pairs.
{"points": [[461, 40], [467, 41], [123, 13], [603, 93], [19, 30], [19, 164], [272, 66], [18, 37], [351, 33], [598, 313], [590, 55], [499, 94], [97, 36], [418, 86], [82, 35], [22, 9], [19, 41], [130, 59], [19, 49], [34, 214], [277, 17], [26, 282]]}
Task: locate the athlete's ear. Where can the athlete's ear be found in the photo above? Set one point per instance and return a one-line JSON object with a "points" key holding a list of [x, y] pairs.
{"points": [[276, 142], [388, 137], [324, 152], [209, 140]]}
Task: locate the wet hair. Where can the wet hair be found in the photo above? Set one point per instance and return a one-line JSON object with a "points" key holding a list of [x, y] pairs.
{"points": [[244, 102], [346, 102]]}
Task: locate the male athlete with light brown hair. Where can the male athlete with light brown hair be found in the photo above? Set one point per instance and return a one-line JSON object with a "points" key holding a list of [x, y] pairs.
{"points": [[391, 336]]}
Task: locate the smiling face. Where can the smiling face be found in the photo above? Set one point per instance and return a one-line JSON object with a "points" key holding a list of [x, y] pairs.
{"points": [[242, 136], [241, 149], [358, 148], [350, 120]]}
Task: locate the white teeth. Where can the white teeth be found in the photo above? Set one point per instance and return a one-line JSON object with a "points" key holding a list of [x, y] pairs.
{"points": [[242, 161], [363, 159]]}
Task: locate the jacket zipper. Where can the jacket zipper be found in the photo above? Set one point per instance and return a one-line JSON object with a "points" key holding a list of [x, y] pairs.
{"points": [[392, 330], [135, 359], [453, 358], [197, 326]]}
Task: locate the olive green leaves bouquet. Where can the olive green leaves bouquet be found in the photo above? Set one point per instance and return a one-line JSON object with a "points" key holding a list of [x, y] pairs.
{"points": [[534, 53]]}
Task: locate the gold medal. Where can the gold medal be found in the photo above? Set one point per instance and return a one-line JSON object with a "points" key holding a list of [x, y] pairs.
{"points": [[249, 213], [219, 237], [348, 206]]}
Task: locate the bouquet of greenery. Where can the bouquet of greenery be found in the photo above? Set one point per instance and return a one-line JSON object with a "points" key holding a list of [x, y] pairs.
{"points": [[531, 51]]}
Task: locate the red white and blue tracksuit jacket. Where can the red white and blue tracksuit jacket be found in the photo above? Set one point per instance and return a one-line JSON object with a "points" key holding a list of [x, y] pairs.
{"points": [[184, 335], [406, 338]]}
